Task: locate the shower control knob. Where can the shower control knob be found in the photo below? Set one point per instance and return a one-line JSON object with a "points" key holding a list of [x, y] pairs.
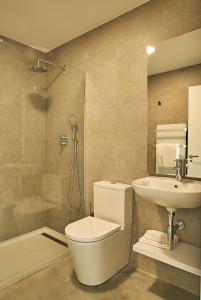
{"points": [[63, 141]]}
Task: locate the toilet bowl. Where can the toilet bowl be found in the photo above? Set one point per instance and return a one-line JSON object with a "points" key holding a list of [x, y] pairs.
{"points": [[100, 245]]}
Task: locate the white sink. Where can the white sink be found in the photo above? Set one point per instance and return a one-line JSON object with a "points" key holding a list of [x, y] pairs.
{"points": [[169, 192]]}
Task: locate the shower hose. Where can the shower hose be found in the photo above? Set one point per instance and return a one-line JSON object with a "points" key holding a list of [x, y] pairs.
{"points": [[74, 187]]}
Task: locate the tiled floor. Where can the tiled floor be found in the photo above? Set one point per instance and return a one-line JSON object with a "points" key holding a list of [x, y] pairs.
{"points": [[58, 282]]}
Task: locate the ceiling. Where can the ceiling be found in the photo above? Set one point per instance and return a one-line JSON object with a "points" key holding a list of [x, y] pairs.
{"points": [[179, 52], [47, 24]]}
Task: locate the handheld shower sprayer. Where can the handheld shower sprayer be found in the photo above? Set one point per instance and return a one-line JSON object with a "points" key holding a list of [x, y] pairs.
{"points": [[74, 127]]}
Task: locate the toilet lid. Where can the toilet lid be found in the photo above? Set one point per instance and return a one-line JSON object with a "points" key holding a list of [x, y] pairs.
{"points": [[90, 229]]}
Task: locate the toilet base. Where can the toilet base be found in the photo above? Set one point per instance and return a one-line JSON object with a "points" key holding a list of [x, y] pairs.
{"points": [[96, 262], [103, 281]]}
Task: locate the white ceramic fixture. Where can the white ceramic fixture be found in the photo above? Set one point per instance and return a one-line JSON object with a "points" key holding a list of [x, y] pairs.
{"points": [[100, 245], [169, 192]]}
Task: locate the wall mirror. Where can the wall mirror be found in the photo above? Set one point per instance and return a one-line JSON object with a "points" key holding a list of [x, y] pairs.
{"points": [[174, 104]]}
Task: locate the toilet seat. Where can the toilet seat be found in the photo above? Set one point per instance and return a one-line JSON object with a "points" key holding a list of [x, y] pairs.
{"points": [[90, 229]]}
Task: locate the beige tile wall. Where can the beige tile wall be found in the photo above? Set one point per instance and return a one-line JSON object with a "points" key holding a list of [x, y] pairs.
{"points": [[115, 61], [33, 171], [22, 139], [65, 97]]}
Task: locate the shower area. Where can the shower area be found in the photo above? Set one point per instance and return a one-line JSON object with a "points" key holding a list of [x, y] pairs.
{"points": [[41, 156]]}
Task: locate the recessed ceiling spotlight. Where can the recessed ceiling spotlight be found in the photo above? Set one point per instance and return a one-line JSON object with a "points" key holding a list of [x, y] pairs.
{"points": [[150, 50]]}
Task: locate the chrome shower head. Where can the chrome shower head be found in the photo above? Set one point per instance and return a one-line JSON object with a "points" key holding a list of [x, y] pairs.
{"points": [[39, 69]]}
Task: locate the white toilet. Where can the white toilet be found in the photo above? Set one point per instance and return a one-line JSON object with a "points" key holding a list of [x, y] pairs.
{"points": [[100, 245]]}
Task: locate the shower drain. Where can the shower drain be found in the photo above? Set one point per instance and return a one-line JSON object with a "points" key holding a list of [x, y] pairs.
{"points": [[54, 239]]}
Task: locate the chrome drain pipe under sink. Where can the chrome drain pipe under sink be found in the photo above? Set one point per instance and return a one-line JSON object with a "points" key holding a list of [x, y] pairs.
{"points": [[172, 228]]}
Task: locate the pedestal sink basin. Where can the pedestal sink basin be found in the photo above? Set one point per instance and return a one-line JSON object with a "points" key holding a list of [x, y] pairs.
{"points": [[169, 192]]}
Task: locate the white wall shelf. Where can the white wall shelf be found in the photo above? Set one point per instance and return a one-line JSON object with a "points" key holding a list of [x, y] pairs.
{"points": [[183, 256]]}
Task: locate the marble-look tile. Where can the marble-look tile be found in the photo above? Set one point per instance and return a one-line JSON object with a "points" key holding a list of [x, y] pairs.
{"points": [[31, 185], [169, 274], [58, 281], [22, 137]]}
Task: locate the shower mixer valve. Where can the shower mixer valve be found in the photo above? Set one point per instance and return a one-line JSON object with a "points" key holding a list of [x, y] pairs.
{"points": [[63, 141]]}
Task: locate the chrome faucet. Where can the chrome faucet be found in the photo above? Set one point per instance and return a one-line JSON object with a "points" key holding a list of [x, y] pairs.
{"points": [[180, 167]]}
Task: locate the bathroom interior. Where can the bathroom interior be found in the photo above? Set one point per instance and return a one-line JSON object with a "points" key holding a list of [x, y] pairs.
{"points": [[100, 150]]}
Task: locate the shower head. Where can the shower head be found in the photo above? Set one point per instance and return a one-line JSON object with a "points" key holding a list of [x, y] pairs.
{"points": [[73, 121], [39, 69]]}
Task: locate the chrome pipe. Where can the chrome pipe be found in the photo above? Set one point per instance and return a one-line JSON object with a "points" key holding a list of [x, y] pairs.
{"points": [[170, 229], [50, 63]]}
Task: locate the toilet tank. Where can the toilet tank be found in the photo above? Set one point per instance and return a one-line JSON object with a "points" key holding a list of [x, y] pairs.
{"points": [[113, 202]]}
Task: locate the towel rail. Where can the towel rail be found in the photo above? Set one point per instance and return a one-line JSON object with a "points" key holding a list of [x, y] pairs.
{"points": [[171, 129], [184, 146]]}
